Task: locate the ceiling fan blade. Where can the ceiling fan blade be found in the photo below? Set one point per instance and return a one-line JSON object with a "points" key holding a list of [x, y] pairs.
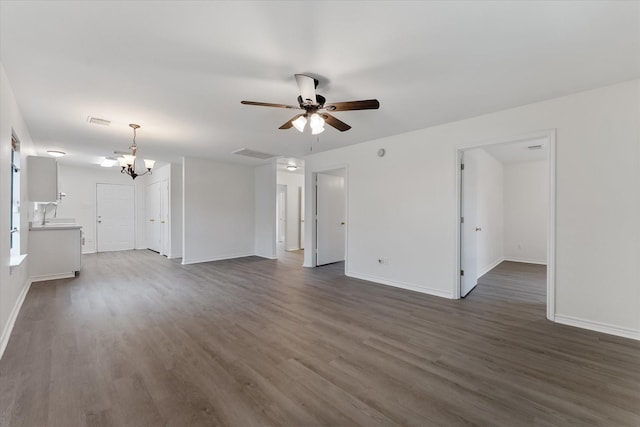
{"points": [[267, 104], [307, 86], [289, 124], [369, 104], [332, 121]]}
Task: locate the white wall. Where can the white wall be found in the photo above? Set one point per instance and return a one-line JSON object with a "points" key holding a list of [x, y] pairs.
{"points": [[176, 210], [403, 205], [526, 201], [294, 182], [218, 203], [489, 210], [265, 210], [80, 183], [13, 281]]}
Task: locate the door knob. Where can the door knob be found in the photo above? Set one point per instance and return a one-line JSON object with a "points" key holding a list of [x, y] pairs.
{"points": [[152, 220], [342, 223], [99, 222], [161, 222], [478, 229]]}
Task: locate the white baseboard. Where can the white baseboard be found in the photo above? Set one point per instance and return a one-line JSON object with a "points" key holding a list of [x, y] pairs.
{"points": [[52, 276], [490, 267], [402, 285], [265, 257], [6, 333], [525, 260], [219, 258], [598, 327]]}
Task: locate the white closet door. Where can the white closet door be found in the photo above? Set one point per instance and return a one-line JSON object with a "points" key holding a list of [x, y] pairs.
{"points": [[153, 216]]}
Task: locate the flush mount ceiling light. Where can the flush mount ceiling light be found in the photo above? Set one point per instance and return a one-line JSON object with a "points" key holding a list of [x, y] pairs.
{"points": [[109, 162], [291, 167], [128, 161], [56, 153]]}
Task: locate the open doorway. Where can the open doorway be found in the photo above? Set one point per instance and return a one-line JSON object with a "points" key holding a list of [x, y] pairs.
{"points": [[289, 206], [507, 210], [330, 212]]}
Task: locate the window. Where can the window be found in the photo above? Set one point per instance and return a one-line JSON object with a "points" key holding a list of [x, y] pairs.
{"points": [[14, 221]]}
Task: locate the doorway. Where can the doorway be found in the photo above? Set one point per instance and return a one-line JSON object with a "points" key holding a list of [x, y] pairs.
{"points": [[281, 215], [506, 208], [330, 223], [115, 221], [289, 205]]}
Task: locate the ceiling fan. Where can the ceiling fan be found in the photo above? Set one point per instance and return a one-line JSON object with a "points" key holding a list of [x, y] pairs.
{"points": [[315, 109]]}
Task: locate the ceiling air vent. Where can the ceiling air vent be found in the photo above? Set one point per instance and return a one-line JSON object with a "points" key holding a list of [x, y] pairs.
{"points": [[535, 147], [98, 121], [252, 153]]}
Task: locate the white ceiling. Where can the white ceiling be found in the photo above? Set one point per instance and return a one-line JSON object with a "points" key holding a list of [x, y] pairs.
{"points": [[181, 68], [519, 151]]}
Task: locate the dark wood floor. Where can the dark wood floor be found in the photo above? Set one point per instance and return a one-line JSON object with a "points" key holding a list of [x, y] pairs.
{"points": [[139, 340]]}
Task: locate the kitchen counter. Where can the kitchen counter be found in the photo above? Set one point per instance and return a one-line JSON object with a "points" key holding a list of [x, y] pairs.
{"points": [[55, 250], [45, 227]]}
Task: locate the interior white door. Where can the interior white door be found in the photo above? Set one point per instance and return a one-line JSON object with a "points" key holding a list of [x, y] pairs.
{"points": [[115, 222], [301, 216], [468, 245], [281, 206], [153, 215], [164, 218], [330, 219]]}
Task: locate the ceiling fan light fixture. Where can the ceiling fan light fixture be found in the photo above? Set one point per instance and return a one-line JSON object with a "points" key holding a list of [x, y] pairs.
{"points": [[300, 123], [317, 124], [311, 103], [316, 121]]}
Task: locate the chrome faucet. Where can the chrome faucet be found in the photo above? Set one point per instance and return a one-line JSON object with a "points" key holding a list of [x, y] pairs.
{"points": [[44, 211]]}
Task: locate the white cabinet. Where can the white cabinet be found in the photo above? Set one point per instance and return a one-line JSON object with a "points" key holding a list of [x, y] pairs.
{"points": [[42, 173], [55, 251]]}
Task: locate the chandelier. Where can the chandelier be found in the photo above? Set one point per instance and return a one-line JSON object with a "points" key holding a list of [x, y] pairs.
{"points": [[128, 161]]}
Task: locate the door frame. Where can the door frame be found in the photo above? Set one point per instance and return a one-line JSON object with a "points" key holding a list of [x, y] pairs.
{"points": [[314, 200], [550, 135]]}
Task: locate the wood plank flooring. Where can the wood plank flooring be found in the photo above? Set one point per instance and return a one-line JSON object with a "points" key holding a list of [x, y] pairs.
{"points": [[139, 340]]}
